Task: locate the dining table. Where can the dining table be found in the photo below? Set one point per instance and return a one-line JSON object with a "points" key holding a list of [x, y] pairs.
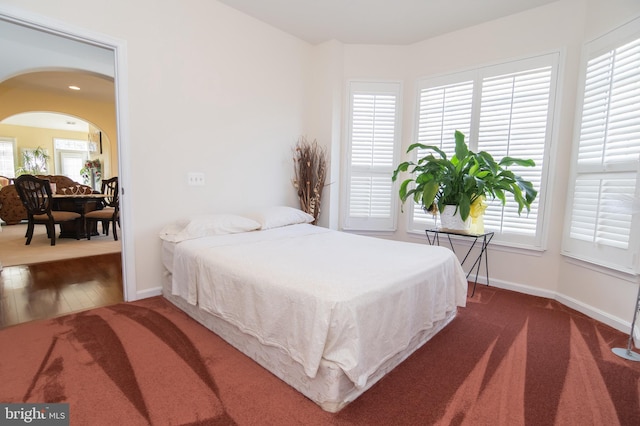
{"points": [[79, 203]]}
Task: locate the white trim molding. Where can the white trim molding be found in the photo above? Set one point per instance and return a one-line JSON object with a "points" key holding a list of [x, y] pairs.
{"points": [[588, 310]]}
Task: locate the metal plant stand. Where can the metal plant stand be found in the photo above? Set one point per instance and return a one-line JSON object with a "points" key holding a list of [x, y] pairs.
{"points": [[484, 239], [627, 353]]}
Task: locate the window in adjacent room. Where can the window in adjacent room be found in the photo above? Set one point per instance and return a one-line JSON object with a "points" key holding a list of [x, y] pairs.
{"points": [[71, 156], [372, 152], [7, 157], [506, 110], [603, 211]]}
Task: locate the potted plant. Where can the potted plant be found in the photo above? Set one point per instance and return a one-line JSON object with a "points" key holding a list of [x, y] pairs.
{"points": [[92, 173], [463, 180], [34, 162]]}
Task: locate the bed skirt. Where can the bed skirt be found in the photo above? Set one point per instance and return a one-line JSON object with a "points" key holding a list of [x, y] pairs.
{"points": [[331, 389]]}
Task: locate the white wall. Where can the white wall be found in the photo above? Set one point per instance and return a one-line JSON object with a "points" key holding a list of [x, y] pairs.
{"points": [[210, 90], [324, 120], [560, 26]]}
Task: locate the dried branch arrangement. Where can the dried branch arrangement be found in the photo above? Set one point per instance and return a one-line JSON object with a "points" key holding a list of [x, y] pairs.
{"points": [[310, 166]]}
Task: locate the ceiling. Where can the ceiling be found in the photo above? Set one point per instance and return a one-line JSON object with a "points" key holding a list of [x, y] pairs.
{"points": [[93, 87], [377, 21], [47, 120]]}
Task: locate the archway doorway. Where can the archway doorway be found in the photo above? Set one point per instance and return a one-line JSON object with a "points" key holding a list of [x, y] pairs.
{"points": [[23, 31]]}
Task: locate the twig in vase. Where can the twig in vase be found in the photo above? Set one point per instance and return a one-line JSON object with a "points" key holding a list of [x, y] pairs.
{"points": [[310, 167]]}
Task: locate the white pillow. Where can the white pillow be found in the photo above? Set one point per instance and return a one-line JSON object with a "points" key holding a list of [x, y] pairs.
{"points": [[207, 225], [275, 217]]}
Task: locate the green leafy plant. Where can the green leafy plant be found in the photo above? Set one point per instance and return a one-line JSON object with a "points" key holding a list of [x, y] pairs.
{"points": [[34, 162], [461, 180]]}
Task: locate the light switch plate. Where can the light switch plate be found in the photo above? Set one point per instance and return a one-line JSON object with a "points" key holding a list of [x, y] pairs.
{"points": [[195, 179]]}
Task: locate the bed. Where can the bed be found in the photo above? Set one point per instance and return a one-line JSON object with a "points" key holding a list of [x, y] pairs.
{"points": [[329, 313]]}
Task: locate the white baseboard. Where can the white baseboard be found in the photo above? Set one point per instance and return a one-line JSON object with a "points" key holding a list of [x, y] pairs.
{"points": [[588, 310], [520, 288], [150, 292]]}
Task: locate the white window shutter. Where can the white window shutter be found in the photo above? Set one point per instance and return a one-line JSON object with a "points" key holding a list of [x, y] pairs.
{"points": [[610, 222], [603, 214], [610, 124], [513, 122], [373, 147], [441, 111]]}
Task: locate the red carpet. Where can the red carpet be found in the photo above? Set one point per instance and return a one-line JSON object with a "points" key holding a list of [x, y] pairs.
{"points": [[507, 359]]}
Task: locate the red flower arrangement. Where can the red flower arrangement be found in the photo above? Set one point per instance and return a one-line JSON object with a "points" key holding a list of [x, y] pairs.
{"points": [[91, 167]]}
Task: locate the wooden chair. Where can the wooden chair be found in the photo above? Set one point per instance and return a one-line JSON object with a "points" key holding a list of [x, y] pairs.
{"points": [[110, 213], [36, 197]]}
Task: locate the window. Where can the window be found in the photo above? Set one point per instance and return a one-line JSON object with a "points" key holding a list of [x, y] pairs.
{"points": [[443, 108], [603, 212], [35, 161], [514, 113], [373, 143], [7, 157], [71, 162], [70, 157], [505, 110]]}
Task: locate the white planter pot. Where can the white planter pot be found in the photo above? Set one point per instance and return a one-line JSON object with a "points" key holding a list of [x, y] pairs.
{"points": [[449, 220]]}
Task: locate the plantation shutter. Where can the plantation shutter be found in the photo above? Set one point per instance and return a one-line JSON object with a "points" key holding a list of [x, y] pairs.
{"points": [[441, 111], [603, 210], [513, 122], [373, 145]]}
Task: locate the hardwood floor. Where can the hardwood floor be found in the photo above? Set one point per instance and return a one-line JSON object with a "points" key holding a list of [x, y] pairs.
{"points": [[51, 289]]}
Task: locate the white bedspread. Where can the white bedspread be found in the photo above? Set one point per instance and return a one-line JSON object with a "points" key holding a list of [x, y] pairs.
{"points": [[318, 293]]}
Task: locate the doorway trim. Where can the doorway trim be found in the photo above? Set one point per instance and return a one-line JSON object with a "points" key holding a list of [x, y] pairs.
{"points": [[120, 80]]}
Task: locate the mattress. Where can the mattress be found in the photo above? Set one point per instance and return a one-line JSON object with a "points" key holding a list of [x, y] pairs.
{"points": [[317, 305]]}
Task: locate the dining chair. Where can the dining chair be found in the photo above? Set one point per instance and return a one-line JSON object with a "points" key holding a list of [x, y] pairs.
{"points": [[37, 199], [111, 211]]}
